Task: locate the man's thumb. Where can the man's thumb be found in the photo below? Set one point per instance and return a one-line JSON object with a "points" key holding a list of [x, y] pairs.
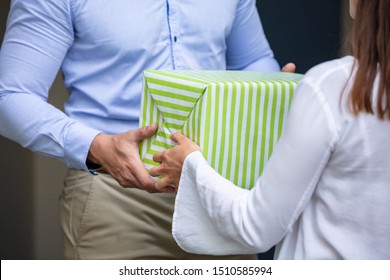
{"points": [[144, 132]]}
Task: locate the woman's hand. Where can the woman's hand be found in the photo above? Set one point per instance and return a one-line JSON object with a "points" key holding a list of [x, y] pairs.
{"points": [[171, 163]]}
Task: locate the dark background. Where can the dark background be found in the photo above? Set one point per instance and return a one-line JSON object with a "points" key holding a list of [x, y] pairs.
{"points": [[305, 32], [15, 200]]}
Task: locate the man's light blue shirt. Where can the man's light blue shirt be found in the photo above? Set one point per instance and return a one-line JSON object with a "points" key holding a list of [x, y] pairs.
{"points": [[102, 47]]}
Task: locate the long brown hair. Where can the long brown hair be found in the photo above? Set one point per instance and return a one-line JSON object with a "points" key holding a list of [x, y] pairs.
{"points": [[371, 48]]}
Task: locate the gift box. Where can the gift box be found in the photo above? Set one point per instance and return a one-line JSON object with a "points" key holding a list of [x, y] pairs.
{"points": [[236, 117]]}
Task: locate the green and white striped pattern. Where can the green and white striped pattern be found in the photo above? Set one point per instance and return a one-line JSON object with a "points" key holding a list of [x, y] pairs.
{"points": [[236, 117]]}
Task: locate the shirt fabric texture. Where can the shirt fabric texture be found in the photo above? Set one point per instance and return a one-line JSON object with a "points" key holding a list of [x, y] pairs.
{"points": [[324, 193], [102, 47]]}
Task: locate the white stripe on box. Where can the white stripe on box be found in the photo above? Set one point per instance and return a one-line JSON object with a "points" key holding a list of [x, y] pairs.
{"points": [[177, 91], [227, 129], [173, 101], [175, 80]]}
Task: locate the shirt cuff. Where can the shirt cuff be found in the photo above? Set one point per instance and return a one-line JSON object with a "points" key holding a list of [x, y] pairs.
{"points": [[77, 143], [192, 227]]}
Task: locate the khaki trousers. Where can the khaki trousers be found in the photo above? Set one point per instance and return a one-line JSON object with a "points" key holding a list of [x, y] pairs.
{"points": [[102, 220]]}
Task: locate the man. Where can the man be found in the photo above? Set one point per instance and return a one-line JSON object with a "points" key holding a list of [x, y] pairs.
{"points": [[102, 48]]}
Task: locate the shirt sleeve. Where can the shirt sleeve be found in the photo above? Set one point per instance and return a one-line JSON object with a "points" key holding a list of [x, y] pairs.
{"points": [[38, 36], [213, 216], [247, 45]]}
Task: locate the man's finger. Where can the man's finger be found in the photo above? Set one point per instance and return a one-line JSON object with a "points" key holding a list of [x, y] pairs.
{"points": [[289, 67], [140, 134], [141, 175]]}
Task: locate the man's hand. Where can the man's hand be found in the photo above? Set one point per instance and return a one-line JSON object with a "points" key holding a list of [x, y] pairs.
{"points": [[289, 67], [119, 156]]}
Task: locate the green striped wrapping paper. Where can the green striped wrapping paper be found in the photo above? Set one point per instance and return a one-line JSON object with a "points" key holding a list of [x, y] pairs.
{"points": [[236, 117]]}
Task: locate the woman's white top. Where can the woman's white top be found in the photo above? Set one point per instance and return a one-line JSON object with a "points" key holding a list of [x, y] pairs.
{"points": [[324, 194]]}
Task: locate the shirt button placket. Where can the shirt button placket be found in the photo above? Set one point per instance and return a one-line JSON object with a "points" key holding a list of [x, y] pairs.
{"points": [[173, 25]]}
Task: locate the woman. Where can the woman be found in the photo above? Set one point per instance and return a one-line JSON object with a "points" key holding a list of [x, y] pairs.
{"points": [[325, 192]]}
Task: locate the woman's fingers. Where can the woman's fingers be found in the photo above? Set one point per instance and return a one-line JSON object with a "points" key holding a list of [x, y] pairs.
{"points": [[178, 137], [156, 171], [164, 183], [157, 157]]}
